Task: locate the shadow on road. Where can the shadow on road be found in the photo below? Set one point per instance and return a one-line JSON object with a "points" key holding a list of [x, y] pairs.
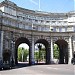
{"points": [[21, 65]]}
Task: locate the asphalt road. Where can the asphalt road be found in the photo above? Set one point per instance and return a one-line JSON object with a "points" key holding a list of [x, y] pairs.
{"points": [[41, 70]]}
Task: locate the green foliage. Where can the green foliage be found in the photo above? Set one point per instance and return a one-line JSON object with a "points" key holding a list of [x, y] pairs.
{"points": [[40, 54], [36, 55], [19, 54], [56, 51], [25, 54]]}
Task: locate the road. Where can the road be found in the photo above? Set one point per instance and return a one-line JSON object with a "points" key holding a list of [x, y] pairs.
{"points": [[41, 70]]}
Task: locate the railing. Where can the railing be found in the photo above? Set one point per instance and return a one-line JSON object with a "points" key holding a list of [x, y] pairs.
{"points": [[10, 16], [36, 23]]}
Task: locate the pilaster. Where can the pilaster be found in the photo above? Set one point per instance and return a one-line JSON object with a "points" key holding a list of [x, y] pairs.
{"points": [[70, 49], [1, 44], [51, 49], [33, 48]]}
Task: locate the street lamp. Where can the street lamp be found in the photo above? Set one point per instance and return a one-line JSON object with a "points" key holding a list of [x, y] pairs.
{"points": [[39, 46], [43, 56], [22, 53]]}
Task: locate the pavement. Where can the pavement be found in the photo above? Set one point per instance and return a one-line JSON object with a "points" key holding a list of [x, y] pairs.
{"points": [[55, 69]]}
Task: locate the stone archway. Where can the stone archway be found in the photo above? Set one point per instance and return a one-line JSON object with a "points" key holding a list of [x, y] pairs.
{"points": [[46, 44], [17, 43], [63, 51]]}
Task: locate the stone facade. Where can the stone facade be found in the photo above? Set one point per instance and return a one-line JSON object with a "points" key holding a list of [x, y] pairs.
{"points": [[18, 25]]}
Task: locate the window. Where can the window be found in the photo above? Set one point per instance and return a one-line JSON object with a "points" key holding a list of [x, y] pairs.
{"points": [[23, 18], [57, 29], [42, 21], [9, 22], [36, 20], [70, 28], [63, 29], [21, 25], [47, 21], [26, 26]]}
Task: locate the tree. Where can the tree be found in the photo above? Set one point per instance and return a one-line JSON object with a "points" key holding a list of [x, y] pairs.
{"points": [[19, 54], [25, 54], [56, 51], [40, 54], [36, 55]]}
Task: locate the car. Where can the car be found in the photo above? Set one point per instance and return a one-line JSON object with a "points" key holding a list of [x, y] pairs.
{"points": [[6, 65]]}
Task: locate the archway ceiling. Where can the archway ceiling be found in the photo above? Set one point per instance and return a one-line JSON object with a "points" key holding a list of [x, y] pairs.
{"points": [[43, 41], [22, 40], [61, 42]]}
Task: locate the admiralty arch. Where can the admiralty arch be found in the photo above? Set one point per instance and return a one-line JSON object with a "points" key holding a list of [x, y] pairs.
{"points": [[19, 25]]}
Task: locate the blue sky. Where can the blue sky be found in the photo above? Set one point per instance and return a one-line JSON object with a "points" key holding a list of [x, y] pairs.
{"points": [[47, 5]]}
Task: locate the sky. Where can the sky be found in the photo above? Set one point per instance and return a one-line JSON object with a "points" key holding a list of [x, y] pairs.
{"points": [[24, 45], [47, 5]]}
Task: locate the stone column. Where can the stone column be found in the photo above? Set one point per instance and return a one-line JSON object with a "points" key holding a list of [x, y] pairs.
{"points": [[12, 48], [1, 44], [70, 50], [51, 49], [33, 48]]}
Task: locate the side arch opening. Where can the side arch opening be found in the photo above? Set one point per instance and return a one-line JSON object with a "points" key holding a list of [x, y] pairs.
{"points": [[63, 51], [21, 41]]}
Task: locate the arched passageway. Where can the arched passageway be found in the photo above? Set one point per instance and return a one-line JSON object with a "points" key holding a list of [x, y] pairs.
{"points": [[17, 43], [63, 51], [23, 53], [40, 53], [46, 44]]}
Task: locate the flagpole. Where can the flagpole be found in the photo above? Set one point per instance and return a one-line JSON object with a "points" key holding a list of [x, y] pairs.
{"points": [[39, 5], [74, 5], [36, 4]]}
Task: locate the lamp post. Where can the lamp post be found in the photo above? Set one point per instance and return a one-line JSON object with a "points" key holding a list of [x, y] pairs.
{"points": [[39, 46], [22, 53], [43, 56], [74, 5]]}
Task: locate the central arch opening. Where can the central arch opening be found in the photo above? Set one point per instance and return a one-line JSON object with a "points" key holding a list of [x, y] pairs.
{"points": [[40, 53], [22, 51], [62, 46], [43, 51]]}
